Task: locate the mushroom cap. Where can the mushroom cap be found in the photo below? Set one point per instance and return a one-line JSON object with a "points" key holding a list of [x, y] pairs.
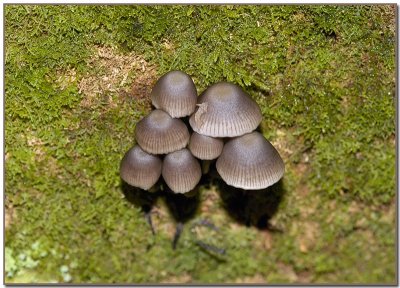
{"points": [[140, 169], [159, 133], [175, 93], [205, 147], [250, 162], [225, 110], [181, 171]]}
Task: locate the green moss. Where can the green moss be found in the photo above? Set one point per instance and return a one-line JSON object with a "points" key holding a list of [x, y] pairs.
{"points": [[324, 77]]}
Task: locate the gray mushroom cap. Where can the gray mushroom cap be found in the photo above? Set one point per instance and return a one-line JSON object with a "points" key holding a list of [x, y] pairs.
{"points": [[250, 162], [159, 133], [140, 169], [181, 171], [205, 147], [175, 93], [225, 110]]}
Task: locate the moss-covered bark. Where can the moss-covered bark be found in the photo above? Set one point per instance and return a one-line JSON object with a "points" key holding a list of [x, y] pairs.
{"points": [[77, 81]]}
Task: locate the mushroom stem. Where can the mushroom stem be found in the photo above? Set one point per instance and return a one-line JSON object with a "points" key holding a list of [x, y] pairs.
{"points": [[191, 193], [206, 246], [147, 216], [154, 189], [205, 166], [178, 232], [211, 248]]}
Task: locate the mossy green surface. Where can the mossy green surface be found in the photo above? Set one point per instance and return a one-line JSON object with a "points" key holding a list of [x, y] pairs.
{"points": [[324, 77]]}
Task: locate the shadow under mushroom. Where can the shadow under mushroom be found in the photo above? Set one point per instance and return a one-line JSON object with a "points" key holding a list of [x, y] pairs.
{"points": [[252, 207], [182, 208], [140, 198]]}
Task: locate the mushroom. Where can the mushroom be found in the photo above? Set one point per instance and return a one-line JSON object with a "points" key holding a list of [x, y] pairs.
{"points": [[205, 148], [175, 93], [140, 169], [159, 133], [225, 110], [250, 162], [181, 171]]}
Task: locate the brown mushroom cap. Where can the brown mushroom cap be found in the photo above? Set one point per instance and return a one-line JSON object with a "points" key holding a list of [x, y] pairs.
{"points": [[159, 133], [175, 93], [205, 147], [140, 169], [181, 171], [250, 162], [225, 110]]}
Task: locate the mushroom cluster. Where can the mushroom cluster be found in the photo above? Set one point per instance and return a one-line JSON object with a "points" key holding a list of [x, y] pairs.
{"points": [[247, 160], [184, 133], [162, 138]]}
